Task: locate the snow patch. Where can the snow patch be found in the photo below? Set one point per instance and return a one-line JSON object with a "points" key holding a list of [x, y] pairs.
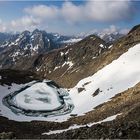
{"points": [[72, 40], [111, 118], [66, 52], [110, 46], [70, 63], [114, 78], [57, 67], [101, 45], [93, 57], [61, 53]]}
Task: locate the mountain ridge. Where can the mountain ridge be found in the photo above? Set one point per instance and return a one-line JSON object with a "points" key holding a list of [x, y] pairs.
{"points": [[102, 80]]}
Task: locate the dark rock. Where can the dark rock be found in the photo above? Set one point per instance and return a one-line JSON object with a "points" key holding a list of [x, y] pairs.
{"points": [[7, 135], [80, 89], [96, 92]]}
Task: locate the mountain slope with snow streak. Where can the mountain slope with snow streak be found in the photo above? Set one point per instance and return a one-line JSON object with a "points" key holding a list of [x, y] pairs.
{"points": [[79, 126], [99, 88], [115, 78]]}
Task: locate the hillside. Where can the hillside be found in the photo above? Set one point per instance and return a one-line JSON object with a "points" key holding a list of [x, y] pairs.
{"points": [[99, 99], [16, 49], [69, 65]]}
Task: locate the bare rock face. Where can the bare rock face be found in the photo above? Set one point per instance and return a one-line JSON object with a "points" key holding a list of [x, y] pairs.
{"points": [[15, 76]]}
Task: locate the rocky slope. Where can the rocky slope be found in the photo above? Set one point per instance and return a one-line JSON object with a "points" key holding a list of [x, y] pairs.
{"points": [[116, 117], [69, 65], [125, 126], [71, 62], [17, 48]]}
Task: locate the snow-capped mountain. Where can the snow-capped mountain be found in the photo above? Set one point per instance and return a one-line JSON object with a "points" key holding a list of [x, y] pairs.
{"points": [[5, 38], [68, 65], [99, 99], [15, 48], [63, 39], [70, 60], [36, 41], [96, 90], [27, 44], [108, 37]]}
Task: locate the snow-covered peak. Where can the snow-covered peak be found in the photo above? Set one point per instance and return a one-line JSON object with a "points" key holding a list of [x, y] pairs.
{"points": [[107, 35], [110, 37]]}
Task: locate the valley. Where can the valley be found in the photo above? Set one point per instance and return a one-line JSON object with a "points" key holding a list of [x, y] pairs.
{"points": [[87, 89]]}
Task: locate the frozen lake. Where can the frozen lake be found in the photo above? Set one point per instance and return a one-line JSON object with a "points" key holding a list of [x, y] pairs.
{"points": [[41, 98]]}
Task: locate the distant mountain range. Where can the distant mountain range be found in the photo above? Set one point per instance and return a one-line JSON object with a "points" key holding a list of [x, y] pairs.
{"points": [[108, 37], [15, 48], [31, 39], [36, 40]]}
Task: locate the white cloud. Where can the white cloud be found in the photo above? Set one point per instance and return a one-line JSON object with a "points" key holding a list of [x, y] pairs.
{"points": [[71, 13], [2, 26], [90, 11], [124, 31], [43, 11], [101, 11], [107, 11], [25, 23], [113, 29]]}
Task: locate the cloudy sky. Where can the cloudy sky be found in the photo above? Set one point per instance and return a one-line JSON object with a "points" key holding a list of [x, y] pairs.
{"points": [[69, 17]]}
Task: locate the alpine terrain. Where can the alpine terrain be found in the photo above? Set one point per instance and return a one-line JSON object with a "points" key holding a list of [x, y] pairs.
{"points": [[54, 86]]}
